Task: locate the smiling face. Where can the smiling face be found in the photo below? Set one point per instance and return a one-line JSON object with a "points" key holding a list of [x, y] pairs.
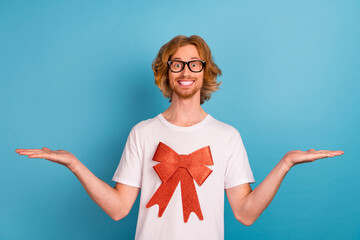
{"points": [[186, 84]]}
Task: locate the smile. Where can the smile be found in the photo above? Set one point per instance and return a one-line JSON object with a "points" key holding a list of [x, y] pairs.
{"points": [[186, 82]]}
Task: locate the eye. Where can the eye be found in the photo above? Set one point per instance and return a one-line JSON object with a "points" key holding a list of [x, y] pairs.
{"points": [[176, 65]]}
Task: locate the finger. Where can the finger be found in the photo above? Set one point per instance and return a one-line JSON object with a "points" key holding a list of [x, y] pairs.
{"points": [[338, 152], [327, 154], [323, 155], [311, 150], [36, 156], [43, 155], [23, 149], [322, 151], [27, 152], [330, 151]]}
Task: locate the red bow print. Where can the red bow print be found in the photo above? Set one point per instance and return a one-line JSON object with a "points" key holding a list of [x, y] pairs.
{"points": [[174, 168]]}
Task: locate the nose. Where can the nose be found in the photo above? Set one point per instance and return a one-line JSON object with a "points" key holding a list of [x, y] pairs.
{"points": [[186, 70]]}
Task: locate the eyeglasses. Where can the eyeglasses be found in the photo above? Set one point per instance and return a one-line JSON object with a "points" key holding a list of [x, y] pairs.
{"points": [[177, 66]]}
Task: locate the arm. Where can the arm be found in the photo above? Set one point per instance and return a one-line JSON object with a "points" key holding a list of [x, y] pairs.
{"points": [[116, 202], [247, 204]]}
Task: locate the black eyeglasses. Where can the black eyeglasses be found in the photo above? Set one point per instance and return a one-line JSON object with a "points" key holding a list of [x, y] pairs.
{"points": [[177, 66]]}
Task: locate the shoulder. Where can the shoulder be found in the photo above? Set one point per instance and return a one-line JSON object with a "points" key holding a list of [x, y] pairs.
{"points": [[225, 128], [145, 125]]}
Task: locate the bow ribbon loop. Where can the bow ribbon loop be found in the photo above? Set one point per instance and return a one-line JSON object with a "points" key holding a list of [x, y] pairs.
{"points": [[174, 168]]}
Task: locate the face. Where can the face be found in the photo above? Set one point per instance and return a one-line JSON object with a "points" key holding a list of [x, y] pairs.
{"points": [[186, 84]]}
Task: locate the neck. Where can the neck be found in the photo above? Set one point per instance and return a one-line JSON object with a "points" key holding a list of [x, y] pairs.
{"points": [[185, 112]]}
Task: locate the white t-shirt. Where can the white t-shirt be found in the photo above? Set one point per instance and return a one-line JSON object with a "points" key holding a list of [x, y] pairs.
{"points": [[230, 168]]}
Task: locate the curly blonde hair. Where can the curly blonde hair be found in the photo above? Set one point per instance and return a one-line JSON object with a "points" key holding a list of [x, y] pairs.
{"points": [[161, 68]]}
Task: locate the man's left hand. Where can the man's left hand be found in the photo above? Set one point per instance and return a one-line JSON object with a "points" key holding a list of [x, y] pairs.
{"points": [[295, 157]]}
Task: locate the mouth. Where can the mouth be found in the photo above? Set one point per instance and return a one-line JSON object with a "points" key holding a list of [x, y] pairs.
{"points": [[186, 83]]}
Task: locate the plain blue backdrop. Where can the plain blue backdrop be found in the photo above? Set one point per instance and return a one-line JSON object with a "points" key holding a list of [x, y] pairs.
{"points": [[76, 75]]}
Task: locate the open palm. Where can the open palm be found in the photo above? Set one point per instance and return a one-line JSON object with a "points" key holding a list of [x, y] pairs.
{"points": [[60, 156], [296, 156]]}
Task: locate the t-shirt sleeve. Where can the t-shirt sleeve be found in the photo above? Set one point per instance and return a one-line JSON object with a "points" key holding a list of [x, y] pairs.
{"points": [[238, 169], [129, 170]]}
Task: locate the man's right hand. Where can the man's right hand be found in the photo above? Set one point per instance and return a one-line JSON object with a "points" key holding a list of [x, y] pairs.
{"points": [[60, 156], [116, 202]]}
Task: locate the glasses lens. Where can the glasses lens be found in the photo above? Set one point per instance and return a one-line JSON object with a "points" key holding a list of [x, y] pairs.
{"points": [[176, 66], [196, 66]]}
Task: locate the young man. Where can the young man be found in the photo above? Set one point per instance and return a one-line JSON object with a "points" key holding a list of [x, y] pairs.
{"points": [[183, 145]]}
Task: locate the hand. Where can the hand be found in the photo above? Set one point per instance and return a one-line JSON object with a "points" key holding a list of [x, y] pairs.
{"points": [[60, 156], [296, 157]]}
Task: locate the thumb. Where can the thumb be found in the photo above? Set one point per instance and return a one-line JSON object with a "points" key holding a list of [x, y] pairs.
{"points": [[45, 148]]}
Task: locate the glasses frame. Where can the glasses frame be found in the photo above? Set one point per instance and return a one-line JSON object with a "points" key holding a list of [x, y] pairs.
{"points": [[186, 63]]}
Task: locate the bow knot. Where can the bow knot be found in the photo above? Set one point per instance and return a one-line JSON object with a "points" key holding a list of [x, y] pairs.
{"points": [[183, 161]]}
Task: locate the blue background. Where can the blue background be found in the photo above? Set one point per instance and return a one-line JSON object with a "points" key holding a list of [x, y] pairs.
{"points": [[76, 75]]}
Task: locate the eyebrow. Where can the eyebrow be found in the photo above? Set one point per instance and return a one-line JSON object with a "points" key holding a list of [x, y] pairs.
{"points": [[190, 58]]}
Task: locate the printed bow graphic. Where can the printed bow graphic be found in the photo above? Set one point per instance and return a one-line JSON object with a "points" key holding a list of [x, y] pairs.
{"points": [[174, 168]]}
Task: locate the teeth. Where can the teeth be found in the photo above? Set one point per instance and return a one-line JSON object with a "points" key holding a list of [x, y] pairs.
{"points": [[186, 83]]}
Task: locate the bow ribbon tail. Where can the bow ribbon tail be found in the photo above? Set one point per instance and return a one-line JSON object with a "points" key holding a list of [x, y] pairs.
{"points": [[163, 194], [189, 197]]}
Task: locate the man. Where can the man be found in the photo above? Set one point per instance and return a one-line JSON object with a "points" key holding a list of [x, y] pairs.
{"points": [[183, 144]]}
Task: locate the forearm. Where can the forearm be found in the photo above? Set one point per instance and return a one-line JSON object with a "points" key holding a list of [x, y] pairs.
{"points": [[258, 199], [101, 193]]}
